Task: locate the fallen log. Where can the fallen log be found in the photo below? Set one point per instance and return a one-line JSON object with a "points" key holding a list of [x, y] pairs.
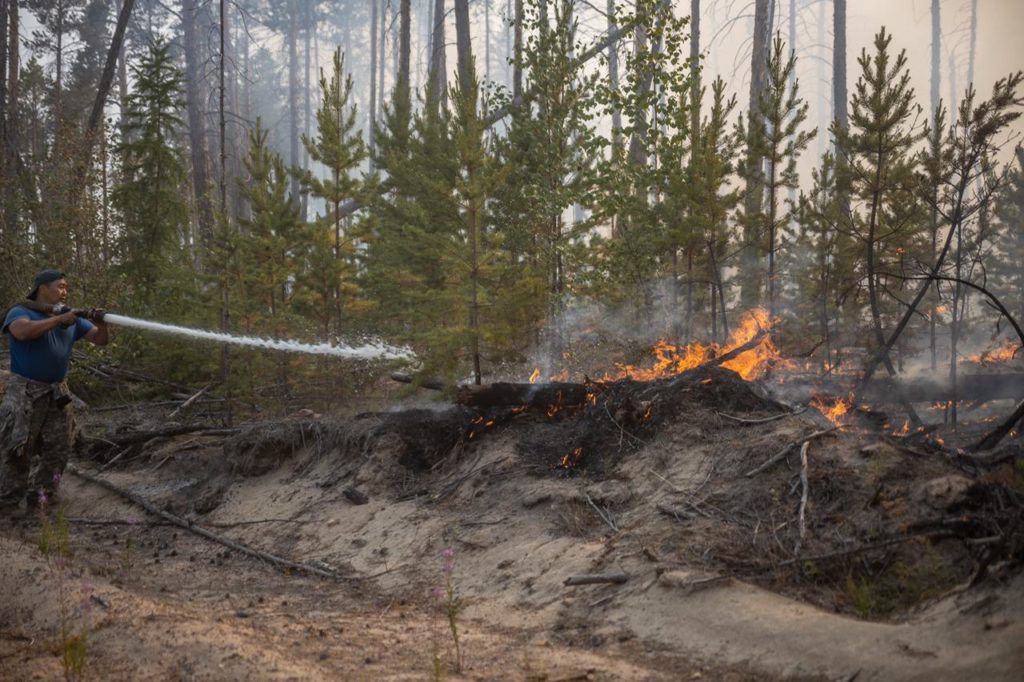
{"points": [[562, 393], [432, 384], [596, 579], [558, 393]]}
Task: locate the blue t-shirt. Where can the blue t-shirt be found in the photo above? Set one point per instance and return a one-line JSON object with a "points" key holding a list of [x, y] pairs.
{"points": [[46, 358]]}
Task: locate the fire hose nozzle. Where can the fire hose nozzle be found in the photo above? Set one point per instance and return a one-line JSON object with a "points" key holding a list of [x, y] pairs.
{"points": [[91, 314]]}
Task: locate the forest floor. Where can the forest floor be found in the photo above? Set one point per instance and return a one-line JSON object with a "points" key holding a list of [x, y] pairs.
{"points": [[711, 590]]}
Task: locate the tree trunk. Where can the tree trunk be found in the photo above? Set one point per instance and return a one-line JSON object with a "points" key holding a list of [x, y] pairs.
{"points": [[404, 48], [372, 132], [638, 141], [517, 68], [753, 195], [438, 65], [463, 42], [839, 102], [308, 80], [196, 121], [382, 57], [936, 47], [974, 43], [293, 94], [3, 87], [613, 72]]}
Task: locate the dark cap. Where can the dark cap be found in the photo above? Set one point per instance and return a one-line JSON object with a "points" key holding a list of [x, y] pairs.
{"points": [[44, 277]]}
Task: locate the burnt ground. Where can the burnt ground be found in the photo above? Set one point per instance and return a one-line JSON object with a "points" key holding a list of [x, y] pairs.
{"points": [[908, 565]]}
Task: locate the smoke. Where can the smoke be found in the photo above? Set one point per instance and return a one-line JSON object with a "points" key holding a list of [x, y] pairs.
{"points": [[374, 350]]}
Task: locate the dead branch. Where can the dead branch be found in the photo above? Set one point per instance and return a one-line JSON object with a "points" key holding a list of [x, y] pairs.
{"points": [[785, 451], [432, 384], [803, 495], [191, 401], [209, 535], [134, 437], [765, 420], [596, 579]]}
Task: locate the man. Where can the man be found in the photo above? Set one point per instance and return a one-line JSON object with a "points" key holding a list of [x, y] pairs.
{"points": [[37, 427]]}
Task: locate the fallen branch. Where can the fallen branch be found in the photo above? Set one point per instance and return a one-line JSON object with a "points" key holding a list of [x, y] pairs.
{"points": [[209, 535], [432, 384], [803, 495], [191, 401], [786, 450], [133, 437], [596, 579], [764, 420]]}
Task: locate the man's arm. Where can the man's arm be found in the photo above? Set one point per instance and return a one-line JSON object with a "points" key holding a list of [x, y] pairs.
{"points": [[98, 335], [26, 330]]}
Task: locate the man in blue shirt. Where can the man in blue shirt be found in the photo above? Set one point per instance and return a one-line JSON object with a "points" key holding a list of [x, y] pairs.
{"points": [[37, 427]]}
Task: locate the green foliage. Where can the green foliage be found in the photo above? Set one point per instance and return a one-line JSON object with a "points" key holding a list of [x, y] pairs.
{"points": [[150, 199], [878, 165], [549, 152], [1009, 270], [776, 139], [328, 273], [637, 189]]}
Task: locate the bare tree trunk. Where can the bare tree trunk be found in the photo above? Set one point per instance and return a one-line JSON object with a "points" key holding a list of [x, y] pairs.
{"points": [[3, 86], [613, 72], [974, 43], [753, 196], [936, 47], [293, 94], [311, 23], [225, 310], [438, 66], [372, 132], [463, 43], [404, 48], [517, 68], [638, 141], [196, 122], [839, 101], [382, 56]]}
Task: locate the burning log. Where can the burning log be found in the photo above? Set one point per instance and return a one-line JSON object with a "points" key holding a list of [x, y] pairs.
{"points": [[557, 393]]}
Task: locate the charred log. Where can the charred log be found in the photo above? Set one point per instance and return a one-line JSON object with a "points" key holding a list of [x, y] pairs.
{"points": [[559, 394]]}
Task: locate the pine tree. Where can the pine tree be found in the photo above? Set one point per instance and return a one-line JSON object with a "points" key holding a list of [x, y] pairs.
{"points": [[879, 161], [269, 257], [150, 199], [549, 151], [339, 147], [1009, 271], [776, 139]]}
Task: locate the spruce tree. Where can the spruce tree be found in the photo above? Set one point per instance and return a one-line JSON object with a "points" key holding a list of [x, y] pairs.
{"points": [[1009, 270]]}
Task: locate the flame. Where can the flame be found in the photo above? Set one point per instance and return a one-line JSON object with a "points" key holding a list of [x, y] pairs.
{"points": [[671, 359], [553, 410], [1006, 352], [561, 376], [570, 461], [535, 375], [833, 413]]}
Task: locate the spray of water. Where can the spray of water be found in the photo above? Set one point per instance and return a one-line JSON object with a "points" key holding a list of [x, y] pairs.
{"points": [[368, 351]]}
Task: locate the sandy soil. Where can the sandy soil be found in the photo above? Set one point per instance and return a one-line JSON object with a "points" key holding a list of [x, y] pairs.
{"points": [[165, 604]]}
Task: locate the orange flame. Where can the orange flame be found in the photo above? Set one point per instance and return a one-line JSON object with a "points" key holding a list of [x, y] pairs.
{"points": [[671, 359], [569, 461], [1004, 353], [833, 413], [535, 375]]}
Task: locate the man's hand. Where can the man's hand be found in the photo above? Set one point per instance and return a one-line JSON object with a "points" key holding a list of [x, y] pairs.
{"points": [[95, 315], [67, 319]]}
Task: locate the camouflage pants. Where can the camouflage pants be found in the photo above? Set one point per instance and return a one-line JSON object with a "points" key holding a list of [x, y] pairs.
{"points": [[37, 432]]}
